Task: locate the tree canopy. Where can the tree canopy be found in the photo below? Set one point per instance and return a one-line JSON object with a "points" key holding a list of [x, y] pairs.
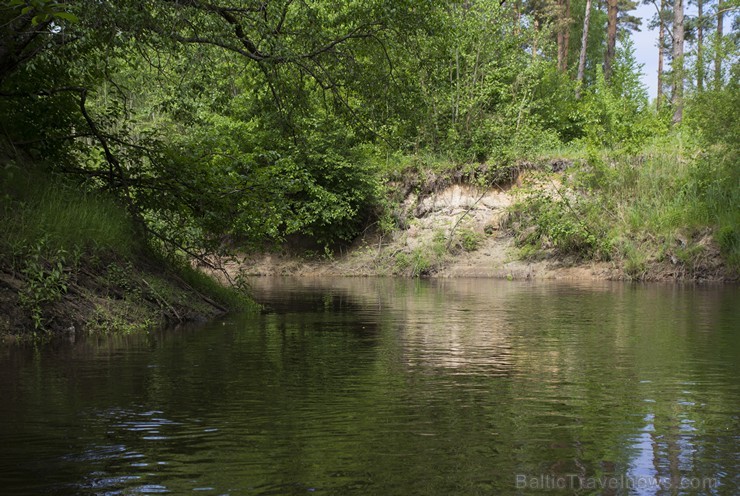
{"points": [[256, 120]]}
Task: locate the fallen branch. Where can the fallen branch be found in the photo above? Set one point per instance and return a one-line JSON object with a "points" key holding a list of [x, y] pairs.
{"points": [[158, 296]]}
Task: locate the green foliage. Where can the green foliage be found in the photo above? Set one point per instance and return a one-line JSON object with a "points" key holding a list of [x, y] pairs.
{"points": [[235, 298], [470, 240], [657, 206], [572, 226], [402, 261], [467, 239], [57, 233], [728, 238], [616, 114], [424, 259], [246, 127], [46, 279], [121, 276], [42, 10], [713, 115], [635, 259], [555, 105], [421, 264]]}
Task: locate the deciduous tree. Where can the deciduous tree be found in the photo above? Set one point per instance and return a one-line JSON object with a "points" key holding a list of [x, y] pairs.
{"points": [[584, 47]]}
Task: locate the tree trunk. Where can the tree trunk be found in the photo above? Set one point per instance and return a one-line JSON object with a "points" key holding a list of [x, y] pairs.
{"points": [[661, 45], [700, 47], [561, 35], [611, 37], [584, 43], [677, 62], [563, 27], [456, 102], [718, 50], [566, 41]]}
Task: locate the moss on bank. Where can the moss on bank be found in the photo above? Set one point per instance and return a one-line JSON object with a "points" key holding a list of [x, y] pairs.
{"points": [[71, 261]]}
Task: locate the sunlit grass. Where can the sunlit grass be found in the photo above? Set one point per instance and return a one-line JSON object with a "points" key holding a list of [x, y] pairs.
{"points": [[673, 188], [42, 207], [230, 298], [664, 200]]}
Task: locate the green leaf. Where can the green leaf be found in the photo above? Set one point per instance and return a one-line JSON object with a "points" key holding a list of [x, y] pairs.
{"points": [[67, 16]]}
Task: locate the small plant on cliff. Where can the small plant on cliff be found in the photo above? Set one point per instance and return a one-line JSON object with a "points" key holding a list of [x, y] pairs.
{"points": [[46, 282], [421, 265], [470, 240]]}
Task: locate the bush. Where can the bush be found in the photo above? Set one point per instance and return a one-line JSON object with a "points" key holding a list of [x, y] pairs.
{"points": [[572, 226], [715, 116], [46, 279]]}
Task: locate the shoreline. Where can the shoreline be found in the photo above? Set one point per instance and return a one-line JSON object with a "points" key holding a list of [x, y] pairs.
{"points": [[495, 260]]}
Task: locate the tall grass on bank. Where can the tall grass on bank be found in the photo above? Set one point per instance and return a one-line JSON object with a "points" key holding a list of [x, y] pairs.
{"points": [[233, 299], [50, 228], [674, 189], [37, 206], [53, 230], [655, 204]]}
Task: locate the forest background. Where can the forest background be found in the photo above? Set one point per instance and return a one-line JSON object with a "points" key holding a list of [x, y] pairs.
{"points": [[190, 128]]}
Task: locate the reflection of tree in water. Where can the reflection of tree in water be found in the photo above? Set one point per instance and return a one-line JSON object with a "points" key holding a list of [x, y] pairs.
{"points": [[401, 387]]}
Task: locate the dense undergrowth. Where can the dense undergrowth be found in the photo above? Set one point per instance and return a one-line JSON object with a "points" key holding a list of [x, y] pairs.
{"points": [[658, 202]]}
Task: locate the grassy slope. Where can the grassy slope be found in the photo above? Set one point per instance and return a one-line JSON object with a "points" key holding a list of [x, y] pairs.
{"points": [[669, 211], [70, 258]]}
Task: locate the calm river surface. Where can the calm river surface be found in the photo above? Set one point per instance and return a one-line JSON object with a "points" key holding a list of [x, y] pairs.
{"points": [[392, 387]]}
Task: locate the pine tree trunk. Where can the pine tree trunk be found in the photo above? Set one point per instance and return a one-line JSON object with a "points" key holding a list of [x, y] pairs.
{"points": [[563, 30], [718, 52], [560, 35], [677, 62], [611, 37], [700, 47], [584, 43], [566, 41], [661, 44]]}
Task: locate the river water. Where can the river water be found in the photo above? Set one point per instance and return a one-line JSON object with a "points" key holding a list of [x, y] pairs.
{"points": [[392, 387]]}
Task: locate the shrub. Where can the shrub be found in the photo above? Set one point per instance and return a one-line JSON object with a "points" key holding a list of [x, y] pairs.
{"points": [[572, 226]]}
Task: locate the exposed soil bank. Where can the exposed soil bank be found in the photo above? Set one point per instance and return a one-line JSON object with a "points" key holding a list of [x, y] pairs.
{"points": [[460, 230], [495, 259]]}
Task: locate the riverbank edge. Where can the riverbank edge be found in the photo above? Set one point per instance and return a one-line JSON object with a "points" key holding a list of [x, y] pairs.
{"points": [[449, 226], [73, 263], [105, 295], [357, 263]]}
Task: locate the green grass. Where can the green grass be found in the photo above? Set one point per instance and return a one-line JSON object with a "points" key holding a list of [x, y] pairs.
{"points": [[397, 164], [235, 299], [661, 201], [42, 208], [54, 231], [676, 190], [561, 151]]}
